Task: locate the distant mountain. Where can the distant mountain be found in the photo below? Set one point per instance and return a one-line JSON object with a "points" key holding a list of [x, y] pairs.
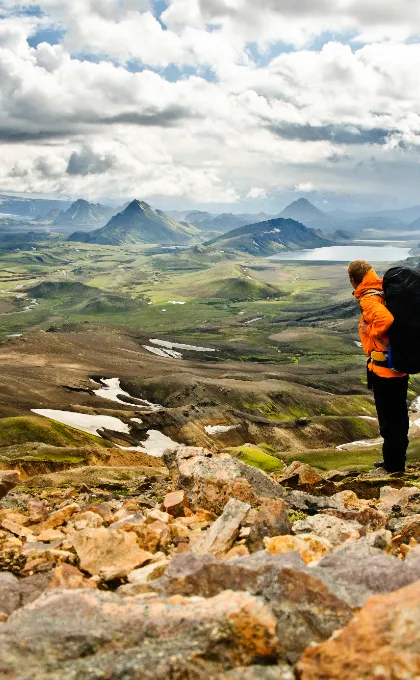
{"points": [[29, 207], [227, 221], [414, 226], [268, 238], [373, 222], [84, 215], [303, 211], [139, 223], [406, 215]]}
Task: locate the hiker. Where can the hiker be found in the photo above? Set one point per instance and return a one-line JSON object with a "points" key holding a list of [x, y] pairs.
{"points": [[389, 385]]}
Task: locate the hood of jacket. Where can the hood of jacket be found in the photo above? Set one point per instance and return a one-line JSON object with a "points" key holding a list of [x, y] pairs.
{"points": [[371, 281]]}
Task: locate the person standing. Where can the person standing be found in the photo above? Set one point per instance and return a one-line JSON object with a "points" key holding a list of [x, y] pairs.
{"points": [[389, 386]]}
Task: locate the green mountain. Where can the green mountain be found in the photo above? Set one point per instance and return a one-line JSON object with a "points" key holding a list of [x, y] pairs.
{"points": [[76, 297], [268, 238], [139, 223]]}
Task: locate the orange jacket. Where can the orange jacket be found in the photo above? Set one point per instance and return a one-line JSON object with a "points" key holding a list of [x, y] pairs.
{"points": [[375, 321]]}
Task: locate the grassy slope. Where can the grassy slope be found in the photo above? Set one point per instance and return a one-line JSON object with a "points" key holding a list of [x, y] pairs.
{"points": [[20, 430]]}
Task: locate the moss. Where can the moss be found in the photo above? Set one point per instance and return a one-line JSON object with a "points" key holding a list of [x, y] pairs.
{"points": [[295, 515], [23, 429], [256, 457]]}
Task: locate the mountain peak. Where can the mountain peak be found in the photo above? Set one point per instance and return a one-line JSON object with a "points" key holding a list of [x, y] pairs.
{"points": [[304, 211]]}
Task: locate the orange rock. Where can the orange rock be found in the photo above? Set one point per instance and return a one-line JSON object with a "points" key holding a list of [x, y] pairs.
{"points": [[108, 553], [381, 642], [57, 518], [15, 528], [175, 503], [69, 577], [309, 546]]}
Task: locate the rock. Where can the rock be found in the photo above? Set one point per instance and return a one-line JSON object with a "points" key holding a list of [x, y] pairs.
{"points": [[372, 519], [210, 480], [405, 529], [57, 518], [153, 537], [104, 510], [280, 672], [309, 546], [305, 607], [356, 571], [405, 501], [87, 520], [222, 534], [108, 553], [8, 480], [91, 634], [381, 642], [138, 578], [15, 529], [37, 510], [51, 535], [9, 594], [272, 519], [175, 503], [304, 477], [335, 530], [68, 577], [157, 516]]}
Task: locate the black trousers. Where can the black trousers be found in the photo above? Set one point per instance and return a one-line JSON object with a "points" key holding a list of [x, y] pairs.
{"points": [[391, 405]]}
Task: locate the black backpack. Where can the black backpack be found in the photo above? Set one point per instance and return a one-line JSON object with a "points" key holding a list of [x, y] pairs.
{"points": [[402, 294]]}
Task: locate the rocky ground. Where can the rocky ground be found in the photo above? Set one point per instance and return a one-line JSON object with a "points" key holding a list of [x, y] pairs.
{"points": [[209, 568]]}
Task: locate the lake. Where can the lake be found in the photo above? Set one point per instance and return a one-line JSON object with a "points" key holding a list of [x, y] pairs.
{"points": [[371, 253]]}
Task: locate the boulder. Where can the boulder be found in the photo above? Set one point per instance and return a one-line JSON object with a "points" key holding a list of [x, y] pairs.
{"points": [[9, 594], [37, 510], [8, 480], [108, 553], [381, 642], [68, 635], [219, 538], [304, 477], [335, 530], [356, 571], [272, 519], [210, 479], [305, 607]]}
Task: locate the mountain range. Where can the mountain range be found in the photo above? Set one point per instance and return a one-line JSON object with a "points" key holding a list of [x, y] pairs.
{"points": [[139, 223], [83, 215], [268, 238]]}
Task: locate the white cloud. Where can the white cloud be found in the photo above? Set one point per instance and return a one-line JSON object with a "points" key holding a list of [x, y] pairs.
{"points": [[90, 126], [257, 192]]}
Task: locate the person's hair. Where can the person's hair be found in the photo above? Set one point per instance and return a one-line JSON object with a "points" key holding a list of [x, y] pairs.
{"points": [[358, 269]]}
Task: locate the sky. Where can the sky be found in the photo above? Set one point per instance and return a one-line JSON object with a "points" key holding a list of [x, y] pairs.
{"points": [[231, 105]]}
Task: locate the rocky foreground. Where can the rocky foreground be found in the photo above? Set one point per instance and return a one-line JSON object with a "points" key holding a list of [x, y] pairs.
{"points": [[219, 571]]}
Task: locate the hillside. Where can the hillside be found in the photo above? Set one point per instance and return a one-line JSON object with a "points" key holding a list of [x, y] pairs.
{"points": [[79, 298], [139, 223], [268, 238], [84, 215]]}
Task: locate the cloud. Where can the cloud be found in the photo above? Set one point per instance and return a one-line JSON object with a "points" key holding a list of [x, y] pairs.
{"points": [[127, 103], [87, 162], [257, 192]]}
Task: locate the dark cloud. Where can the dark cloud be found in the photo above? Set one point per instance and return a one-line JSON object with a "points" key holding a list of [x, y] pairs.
{"points": [[87, 162], [336, 133], [12, 136], [153, 117]]}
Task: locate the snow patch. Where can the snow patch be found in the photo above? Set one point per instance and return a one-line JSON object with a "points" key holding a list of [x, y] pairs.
{"points": [[112, 390], [167, 353], [84, 422], [363, 443], [155, 445], [219, 429], [178, 345]]}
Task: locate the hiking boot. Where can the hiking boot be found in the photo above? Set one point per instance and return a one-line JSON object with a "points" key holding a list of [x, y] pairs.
{"points": [[397, 473], [379, 464]]}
